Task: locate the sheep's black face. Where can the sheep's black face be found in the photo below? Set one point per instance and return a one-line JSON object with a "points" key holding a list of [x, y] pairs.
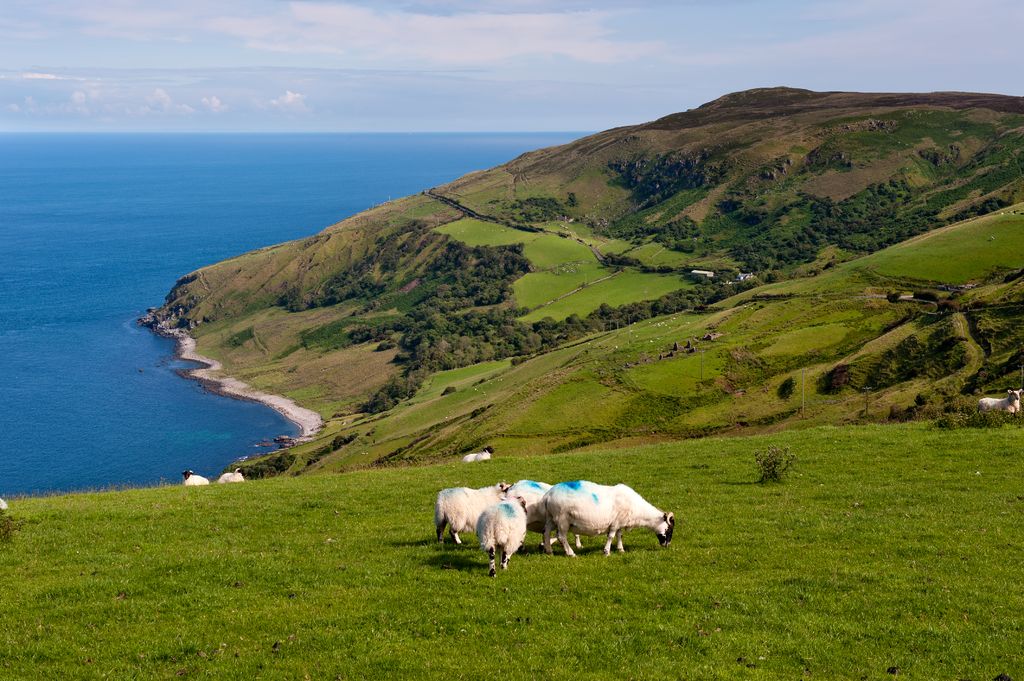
{"points": [[665, 529]]}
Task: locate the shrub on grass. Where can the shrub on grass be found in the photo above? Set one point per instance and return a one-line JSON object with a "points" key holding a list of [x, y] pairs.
{"points": [[773, 462], [8, 526], [448, 391], [786, 388]]}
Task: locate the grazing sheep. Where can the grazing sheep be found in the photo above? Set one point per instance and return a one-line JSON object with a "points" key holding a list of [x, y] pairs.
{"points": [[478, 456], [591, 509], [532, 492], [1010, 403], [231, 477], [3, 505], [193, 480], [503, 526], [460, 508]]}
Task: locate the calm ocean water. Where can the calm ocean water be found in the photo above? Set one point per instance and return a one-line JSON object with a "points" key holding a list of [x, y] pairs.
{"points": [[95, 228]]}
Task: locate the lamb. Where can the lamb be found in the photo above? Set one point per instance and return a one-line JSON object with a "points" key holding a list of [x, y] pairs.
{"points": [[593, 509], [1010, 403], [460, 507], [231, 477], [193, 480], [503, 526], [478, 456], [532, 492]]}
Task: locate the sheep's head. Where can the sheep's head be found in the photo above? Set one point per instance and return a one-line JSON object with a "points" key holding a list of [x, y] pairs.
{"points": [[186, 473], [504, 487], [1014, 396], [665, 528], [522, 501]]}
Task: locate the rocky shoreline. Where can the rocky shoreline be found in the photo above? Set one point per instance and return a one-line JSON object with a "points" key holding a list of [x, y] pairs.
{"points": [[309, 422]]}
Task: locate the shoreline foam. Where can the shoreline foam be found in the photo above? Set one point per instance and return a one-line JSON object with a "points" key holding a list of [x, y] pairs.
{"points": [[309, 422]]}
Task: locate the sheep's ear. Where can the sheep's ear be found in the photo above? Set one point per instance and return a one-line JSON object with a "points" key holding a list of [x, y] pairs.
{"points": [[671, 518]]}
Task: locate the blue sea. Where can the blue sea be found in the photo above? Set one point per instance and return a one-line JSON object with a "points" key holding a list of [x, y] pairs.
{"points": [[94, 229]]}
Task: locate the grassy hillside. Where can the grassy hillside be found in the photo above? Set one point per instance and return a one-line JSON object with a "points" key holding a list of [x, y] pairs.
{"points": [[852, 566], [566, 271]]}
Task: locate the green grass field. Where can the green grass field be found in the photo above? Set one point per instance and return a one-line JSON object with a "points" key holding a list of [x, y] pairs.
{"points": [[479, 233], [886, 547], [627, 287], [537, 288], [959, 253]]}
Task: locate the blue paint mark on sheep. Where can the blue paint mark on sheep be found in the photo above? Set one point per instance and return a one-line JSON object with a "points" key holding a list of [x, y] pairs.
{"points": [[508, 510], [575, 485], [596, 500], [534, 485]]}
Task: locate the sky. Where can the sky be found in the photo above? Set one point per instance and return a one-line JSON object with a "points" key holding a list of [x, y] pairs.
{"points": [[471, 65]]}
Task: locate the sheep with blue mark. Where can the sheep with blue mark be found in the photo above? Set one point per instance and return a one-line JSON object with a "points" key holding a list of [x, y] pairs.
{"points": [[532, 492], [502, 526], [591, 509], [459, 508]]}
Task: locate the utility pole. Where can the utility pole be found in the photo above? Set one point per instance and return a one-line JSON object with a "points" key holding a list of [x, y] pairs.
{"points": [[803, 391], [867, 395]]}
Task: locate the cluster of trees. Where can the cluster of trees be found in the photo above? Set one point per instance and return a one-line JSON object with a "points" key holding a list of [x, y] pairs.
{"points": [[652, 181]]}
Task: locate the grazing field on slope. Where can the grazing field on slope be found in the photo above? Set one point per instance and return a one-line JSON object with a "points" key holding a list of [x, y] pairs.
{"points": [[479, 233], [537, 288], [957, 254], [857, 563], [627, 287], [550, 251]]}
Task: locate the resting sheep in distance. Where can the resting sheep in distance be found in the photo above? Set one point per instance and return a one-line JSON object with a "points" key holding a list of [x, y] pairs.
{"points": [[193, 480], [1010, 403], [591, 509], [231, 477], [3, 505], [502, 526], [460, 507], [532, 492], [478, 456]]}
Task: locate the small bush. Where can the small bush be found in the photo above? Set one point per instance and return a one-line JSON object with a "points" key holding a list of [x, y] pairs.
{"points": [[773, 462], [893, 296], [448, 391], [8, 526], [786, 388]]}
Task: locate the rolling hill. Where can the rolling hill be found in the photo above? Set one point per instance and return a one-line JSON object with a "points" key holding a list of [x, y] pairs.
{"points": [[548, 304]]}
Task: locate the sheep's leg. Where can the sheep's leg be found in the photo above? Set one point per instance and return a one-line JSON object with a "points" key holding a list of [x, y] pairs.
{"points": [[618, 538], [454, 534], [578, 544], [608, 544], [547, 540], [440, 530], [563, 539], [504, 559], [490, 555]]}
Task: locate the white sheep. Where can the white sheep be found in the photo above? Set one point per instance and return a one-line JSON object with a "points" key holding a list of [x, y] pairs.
{"points": [[503, 526], [478, 456], [532, 492], [193, 480], [592, 509], [231, 477], [1010, 403], [3, 505], [460, 507]]}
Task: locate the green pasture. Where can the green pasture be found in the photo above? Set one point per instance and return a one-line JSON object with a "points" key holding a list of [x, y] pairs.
{"points": [[957, 254], [537, 288], [548, 251], [627, 287], [887, 548], [474, 232]]}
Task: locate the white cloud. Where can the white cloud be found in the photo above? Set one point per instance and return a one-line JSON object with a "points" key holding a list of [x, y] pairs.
{"points": [[160, 101], [213, 103], [290, 101]]}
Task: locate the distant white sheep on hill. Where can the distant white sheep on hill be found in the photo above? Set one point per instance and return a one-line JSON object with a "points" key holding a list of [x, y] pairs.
{"points": [[478, 456], [193, 480], [592, 509], [3, 505], [1010, 403], [502, 526], [236, 476], [460, 507]]}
